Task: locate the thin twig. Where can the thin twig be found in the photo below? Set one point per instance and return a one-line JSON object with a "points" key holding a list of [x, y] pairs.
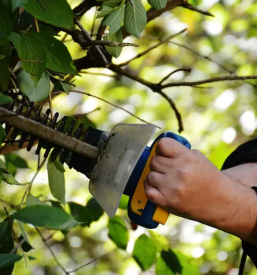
{"points": [[108, 102], [89, 263], [50, 106], [51, 251], [36, 24], [89, 39], [209, 80], [9, 204], [173, 72], [102, 74], [31, 182], [152, 48], [192, 8], [88, 113], [197, 53], [108, 43], [17, 247]]}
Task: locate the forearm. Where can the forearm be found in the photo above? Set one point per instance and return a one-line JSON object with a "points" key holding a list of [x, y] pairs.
{"points": [[243, 201], [244, 174], [235, 211]]}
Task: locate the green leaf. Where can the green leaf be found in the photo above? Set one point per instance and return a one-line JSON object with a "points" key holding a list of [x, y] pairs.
{"points": [[4, 99], [86, 214], [56, 179], [31, 200], [18, 3], [23, 232], [157, 4], [7, 21], [8, 259], [115, 19], [144, 252], [13, 162], [25, 246], [124, 202], [57, 12], [118, 232], [116, 37], [64, 87], [135, 18], [168, 264], [45, 216], [7, 177], [58, 57], [2, 134], [32, 52], [111, 3], [5, 231], [15, 38], [104, 11], [27, 86]]}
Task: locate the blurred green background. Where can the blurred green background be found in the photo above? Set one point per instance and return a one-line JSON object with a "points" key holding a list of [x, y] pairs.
{"points": [[217, 118]]}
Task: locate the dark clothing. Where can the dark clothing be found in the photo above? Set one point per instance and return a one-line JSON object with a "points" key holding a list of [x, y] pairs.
{"points": [[245, 153]]}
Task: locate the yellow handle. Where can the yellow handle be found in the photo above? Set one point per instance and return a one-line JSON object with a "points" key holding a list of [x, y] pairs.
{"points": [[139, 199]]}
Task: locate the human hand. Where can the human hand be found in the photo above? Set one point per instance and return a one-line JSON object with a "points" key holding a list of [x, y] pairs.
{"points": [[186, 183]]}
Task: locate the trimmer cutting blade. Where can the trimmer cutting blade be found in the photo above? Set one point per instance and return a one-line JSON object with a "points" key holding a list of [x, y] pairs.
{"points": [[116, 163]]}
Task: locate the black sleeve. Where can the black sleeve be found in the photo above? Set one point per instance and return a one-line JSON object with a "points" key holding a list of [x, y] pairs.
{"points": [[245, 153]]}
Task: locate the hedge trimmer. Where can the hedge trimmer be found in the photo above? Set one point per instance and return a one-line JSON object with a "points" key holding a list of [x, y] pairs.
{"points": [[116, 163]]}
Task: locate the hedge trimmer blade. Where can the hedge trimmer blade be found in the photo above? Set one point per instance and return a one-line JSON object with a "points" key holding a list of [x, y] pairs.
{"points": [[116, 163]]}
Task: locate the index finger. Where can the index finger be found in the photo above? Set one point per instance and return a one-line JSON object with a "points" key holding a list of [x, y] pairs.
{"points": [[169, 147]]}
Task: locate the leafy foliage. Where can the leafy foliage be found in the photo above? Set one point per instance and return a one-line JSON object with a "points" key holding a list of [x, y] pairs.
{"points": [[86, 214], [36, 61], [144, 252], [118, 232], [46, 216], [56, 179]]}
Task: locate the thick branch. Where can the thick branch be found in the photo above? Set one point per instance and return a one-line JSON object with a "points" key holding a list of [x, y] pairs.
{"points": [[171, 4], [209, 80], [84, 7]]}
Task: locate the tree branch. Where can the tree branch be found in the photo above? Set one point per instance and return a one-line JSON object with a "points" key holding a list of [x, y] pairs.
{"points": [[83, 7], [209, 80]]}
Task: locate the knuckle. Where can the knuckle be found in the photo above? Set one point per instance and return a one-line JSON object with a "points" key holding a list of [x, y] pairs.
{"points": [[162, 145], [154, 162], [150, 177], [149, 195], [195, 153]]}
